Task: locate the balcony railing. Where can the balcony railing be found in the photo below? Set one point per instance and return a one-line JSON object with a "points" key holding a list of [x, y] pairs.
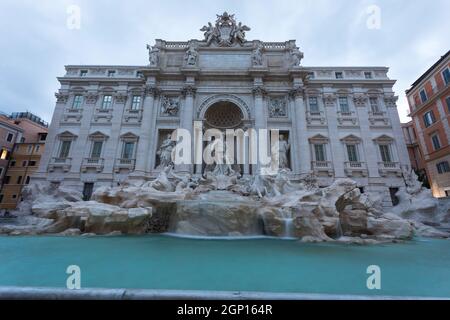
{"points": [[389, 167], [60, 163], [123, 163], [93, 163], [321, 164], [354, 164]]}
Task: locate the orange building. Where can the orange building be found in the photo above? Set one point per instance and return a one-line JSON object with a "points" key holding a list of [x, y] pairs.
{"points": [[429, 101], [24, 156]]}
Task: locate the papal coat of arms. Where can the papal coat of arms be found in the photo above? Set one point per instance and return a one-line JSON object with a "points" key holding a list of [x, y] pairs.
{"points": [[226, 31]]}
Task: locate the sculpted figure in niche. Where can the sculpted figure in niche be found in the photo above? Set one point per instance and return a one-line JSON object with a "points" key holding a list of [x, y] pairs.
{"points": [[191, 56], [258, 56], [165, 152]]}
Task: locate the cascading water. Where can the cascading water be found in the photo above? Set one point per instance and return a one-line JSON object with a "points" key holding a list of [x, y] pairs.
{"points": [[288, 224], [339, 232]]}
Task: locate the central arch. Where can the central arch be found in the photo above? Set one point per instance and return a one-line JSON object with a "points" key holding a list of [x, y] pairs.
{"points": [[223, 98], [223, 115]]}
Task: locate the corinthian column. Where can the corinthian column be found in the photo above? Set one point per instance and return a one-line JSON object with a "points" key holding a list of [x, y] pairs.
{"points": [[303, 151], [187, 123], [260, 119], [147, 132]]}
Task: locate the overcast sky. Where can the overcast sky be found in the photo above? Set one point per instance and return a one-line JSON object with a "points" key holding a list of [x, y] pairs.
{"points": [[36, 42]]}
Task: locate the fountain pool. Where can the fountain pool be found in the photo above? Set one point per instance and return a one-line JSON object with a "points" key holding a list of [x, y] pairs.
{"points": [[416, 268]]}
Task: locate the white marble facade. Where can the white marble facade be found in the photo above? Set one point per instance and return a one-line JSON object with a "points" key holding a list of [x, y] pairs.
{"points": [[109, 121]]}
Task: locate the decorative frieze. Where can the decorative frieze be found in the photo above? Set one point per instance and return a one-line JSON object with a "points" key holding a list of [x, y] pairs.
{"points": [[152, 91], [278, 107], [61, 97], [360, 100], [189, 91], [329, 99], [259, 91], [391, 101], [91, 98], [170, 106], [120, 98]]}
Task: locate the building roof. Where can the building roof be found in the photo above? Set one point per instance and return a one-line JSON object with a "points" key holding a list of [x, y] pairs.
{"points": [[423, 76]]}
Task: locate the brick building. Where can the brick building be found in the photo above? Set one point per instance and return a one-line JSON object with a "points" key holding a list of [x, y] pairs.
{"points": [[429, 101]]}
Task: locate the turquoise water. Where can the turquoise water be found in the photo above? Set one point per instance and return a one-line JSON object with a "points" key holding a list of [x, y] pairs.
{"points": [[417, 268]]}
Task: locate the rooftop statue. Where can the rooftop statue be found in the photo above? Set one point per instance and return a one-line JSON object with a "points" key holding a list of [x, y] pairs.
{"points": [[226, 31]]}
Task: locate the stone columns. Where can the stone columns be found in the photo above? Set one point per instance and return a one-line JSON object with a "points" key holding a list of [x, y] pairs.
{"points": [[147, 132], [260, 119], [337, 149], [302, 145], [187, 123]]}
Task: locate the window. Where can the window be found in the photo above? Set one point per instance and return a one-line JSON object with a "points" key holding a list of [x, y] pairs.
{"points": [[139, 74], [19, 179], [107, 102], [319, 151], [428, 118], [32, 163], [14, 196], [1, 172], [385, 152], [7, 180], [65, 148], [339, 75], [77, 101], [311, 75], [10, 137], [374, 104], [42, 136], [96, 149], [24, 163], [136, 103], [30, 149], [313, 105], [436, 142], [37, 148], [443, 167], [423, 95], [127, 152], [352, 153], [12, 163], [4, 154], [447, 101], [368, 75], [111, 73], [446, 76], [22, 140], [27, 180], [1, 198], [343, 105], [83, 73]]}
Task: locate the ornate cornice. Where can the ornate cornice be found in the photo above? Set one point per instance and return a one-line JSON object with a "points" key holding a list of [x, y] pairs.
{"points": [[189, 91], [91, 98], [259, 91], [120, 98], [61, 97], [329, 99], [360, 100], [296, 93], [152, 91], [391, 101]]}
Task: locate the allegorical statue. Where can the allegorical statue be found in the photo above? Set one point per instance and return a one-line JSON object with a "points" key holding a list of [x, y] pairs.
{"points": [[165, 152], [257, 56], [283, 148], [239, 32], [296, 57], [210, 33], [191, 56], [153, 55]]}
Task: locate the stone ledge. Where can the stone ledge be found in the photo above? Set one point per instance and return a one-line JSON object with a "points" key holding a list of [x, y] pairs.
{"points": [[33, 293]]}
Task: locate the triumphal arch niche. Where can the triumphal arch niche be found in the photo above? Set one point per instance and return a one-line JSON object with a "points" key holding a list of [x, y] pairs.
{"points": [[224, 82]]}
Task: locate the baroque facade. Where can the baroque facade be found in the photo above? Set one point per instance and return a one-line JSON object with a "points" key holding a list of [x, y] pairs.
{"points": [[110, 121]]}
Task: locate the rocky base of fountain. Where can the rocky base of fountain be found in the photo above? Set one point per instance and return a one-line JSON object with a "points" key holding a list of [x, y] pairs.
{"points": [[224, 206]]}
